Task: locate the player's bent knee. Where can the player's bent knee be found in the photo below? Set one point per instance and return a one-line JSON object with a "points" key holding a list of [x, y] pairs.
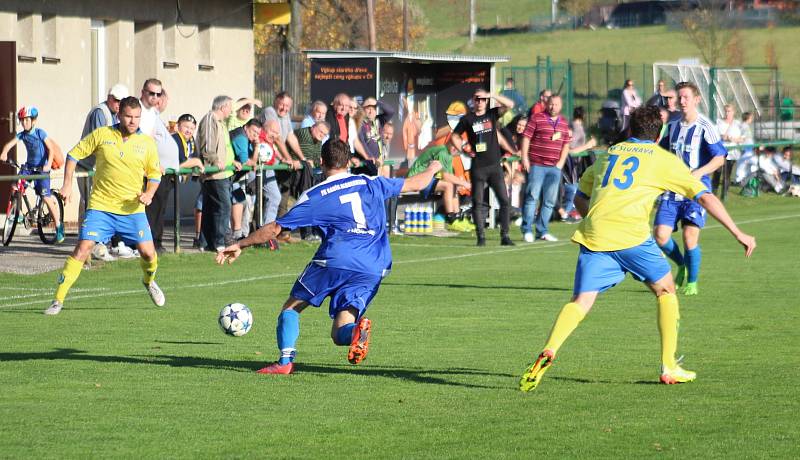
{"points": [[665, 285]]}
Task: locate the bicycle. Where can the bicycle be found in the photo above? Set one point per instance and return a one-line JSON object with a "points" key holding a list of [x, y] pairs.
{"points": [[39, 213]]}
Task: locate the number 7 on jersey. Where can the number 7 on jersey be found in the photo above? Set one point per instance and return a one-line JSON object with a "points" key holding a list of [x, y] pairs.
{"points": [[355, 204]]}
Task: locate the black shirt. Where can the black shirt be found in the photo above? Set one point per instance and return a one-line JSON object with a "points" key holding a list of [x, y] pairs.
{"points": [[482, 135]]}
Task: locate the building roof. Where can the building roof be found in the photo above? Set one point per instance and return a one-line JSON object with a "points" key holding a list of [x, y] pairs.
{"points": [[401, 56]]}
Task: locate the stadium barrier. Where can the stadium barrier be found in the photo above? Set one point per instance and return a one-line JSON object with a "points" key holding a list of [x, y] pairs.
{"points": [[390, 163]]}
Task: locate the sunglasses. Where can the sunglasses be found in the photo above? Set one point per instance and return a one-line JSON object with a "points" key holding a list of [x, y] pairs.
{"points": [[188, 118], [155, 94], [481, 98]]}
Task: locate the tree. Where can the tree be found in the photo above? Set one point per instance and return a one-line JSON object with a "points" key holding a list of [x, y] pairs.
{"points": [[707, 28], [342, 24], [577, 7]]}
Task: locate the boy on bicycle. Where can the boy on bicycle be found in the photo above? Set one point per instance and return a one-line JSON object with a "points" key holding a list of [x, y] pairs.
{"points": [[41, 151]]}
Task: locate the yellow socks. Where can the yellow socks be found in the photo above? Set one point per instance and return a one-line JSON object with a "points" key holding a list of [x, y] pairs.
{"points": [[668, 317], [569, 318], [149, 268], [71, 272]]}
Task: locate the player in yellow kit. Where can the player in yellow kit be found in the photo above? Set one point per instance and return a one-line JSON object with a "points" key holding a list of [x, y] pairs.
{"points": [[617, 195], [125, 157]]}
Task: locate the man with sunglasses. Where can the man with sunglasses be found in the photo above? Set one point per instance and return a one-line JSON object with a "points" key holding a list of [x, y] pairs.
{"points": [[154, 101], [483, 144]]}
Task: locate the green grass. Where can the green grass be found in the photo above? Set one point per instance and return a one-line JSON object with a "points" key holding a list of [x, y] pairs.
{"points": [[447, 18], [454, 327], [636, 46]]}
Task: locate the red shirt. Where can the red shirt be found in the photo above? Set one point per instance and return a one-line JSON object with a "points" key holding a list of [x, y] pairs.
{"points": [[343, 128], [547, 137]]}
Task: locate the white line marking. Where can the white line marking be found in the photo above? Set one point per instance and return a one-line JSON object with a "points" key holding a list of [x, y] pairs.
{"points": [[521, 247]]}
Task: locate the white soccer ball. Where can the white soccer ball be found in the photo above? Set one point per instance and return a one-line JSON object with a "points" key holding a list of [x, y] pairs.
{"points": [[235, 319]]}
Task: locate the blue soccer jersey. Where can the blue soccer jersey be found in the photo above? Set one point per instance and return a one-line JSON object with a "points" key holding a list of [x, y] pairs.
{"points": [[695, 143], [34, 144], [349, 210]]}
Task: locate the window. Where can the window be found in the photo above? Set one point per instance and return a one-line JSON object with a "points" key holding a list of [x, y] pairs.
{"points": [[25, 37], [49, 39], [98, 30], [169, 32], [204, 41], [145, 50]]}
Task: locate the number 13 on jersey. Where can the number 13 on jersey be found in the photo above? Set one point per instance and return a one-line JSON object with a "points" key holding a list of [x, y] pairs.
{"points": [[629, 165]]}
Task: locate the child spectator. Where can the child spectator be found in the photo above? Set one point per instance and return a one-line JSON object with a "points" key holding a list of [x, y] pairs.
{"points": [[41, 152]]}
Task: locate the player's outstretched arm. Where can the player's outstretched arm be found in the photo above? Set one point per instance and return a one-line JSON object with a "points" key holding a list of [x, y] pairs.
{"points": [[715, 207], [260, 236], [421, 180]]}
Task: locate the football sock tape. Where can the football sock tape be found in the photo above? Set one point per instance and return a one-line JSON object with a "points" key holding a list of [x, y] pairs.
{"points": [[68, 276], [571, 315], [288, 330], [668, 317], [693, 258], [344, 335], [671, 249]]}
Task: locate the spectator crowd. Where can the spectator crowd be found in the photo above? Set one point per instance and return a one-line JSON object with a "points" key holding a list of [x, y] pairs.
{"points": [[548, 152]]}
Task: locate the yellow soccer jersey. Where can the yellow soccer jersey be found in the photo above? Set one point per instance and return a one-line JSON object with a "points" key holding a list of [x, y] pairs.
{"points": [[120, 169], [623, 185]]}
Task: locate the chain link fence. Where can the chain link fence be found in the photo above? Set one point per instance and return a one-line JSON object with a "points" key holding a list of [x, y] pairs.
{"points": [[283, 72]]}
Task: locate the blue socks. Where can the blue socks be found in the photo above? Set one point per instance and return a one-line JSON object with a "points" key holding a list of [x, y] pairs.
{"points": [[671, 249], [288, 330], [344, 335], [693, 257]]}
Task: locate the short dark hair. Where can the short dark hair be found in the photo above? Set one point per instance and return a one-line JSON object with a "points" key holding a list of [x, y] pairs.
{"points": [[187, 117], [129, 102], [252, 122], [152, 81], [282, 95], [646, 123], [578, 113], [335, 154]]}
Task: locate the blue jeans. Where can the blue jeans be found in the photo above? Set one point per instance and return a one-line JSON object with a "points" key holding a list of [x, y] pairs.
{"points": [[542, 183], [569, 196]]}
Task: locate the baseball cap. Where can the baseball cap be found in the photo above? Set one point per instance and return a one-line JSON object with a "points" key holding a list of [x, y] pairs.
{"points": [[119, 91]]}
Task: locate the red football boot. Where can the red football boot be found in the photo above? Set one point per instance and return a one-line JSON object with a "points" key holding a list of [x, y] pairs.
{"points": [[360, 343], [276, 368]]}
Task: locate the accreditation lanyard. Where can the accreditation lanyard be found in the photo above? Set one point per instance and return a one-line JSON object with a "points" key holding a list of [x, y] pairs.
{"points": [[556, 134]]}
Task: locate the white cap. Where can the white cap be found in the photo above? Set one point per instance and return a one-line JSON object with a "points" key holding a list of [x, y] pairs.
{"points": [[119, 91]]}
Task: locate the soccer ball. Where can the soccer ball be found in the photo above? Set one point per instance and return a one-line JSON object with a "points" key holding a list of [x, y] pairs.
{"points": [[235, 319]]}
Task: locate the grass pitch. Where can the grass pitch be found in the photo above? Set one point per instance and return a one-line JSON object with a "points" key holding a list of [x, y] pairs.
{"points": [[454, 327]]}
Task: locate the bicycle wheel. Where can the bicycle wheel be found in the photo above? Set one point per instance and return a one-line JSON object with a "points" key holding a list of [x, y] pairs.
{"points": [[12, 214], [46, 222]]}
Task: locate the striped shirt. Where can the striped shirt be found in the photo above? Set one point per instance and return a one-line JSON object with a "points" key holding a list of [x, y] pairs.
{"points": [[548, 138], [695, 143]]}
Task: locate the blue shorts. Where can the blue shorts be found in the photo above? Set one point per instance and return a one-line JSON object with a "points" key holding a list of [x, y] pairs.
{"points": [[671, 212], [346, 288], [100, 226], [42, 186], [600, 271], [429, 190]]}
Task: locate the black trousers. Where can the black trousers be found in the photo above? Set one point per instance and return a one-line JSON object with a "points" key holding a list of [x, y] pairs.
{"points": [[156, 209], [493, 177], [216, 212]]}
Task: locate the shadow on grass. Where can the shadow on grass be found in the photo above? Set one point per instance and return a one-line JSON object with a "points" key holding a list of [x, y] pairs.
{"points": [[419, 375], [475, 286], [40, 310], [605, 382], [188, 342]]}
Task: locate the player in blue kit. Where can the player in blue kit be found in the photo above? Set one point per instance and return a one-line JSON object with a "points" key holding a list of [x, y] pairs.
{"points": [[696, 141], [352, 259]]}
